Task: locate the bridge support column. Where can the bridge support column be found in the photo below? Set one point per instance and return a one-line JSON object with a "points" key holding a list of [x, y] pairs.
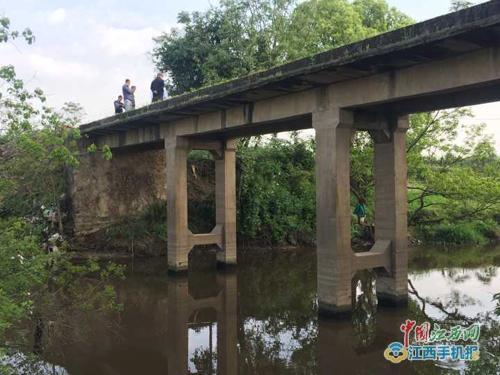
{"points": [[391, 210], [333, 139], [225, 203], [177, 150]]}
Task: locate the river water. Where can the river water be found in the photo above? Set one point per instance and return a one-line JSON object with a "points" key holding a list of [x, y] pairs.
{"points": [[262, 319]]}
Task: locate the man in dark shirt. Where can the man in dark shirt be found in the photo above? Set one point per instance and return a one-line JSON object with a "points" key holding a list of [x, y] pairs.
{"points": [[119, 106], [158, 87]]}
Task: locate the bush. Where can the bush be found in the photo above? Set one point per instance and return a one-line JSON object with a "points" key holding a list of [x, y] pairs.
{"points": [[276, 192], [458, 233]]}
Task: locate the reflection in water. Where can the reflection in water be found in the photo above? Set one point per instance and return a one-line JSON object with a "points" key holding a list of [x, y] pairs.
{"points": [[260, 319], [214, 302], [202, 352]]}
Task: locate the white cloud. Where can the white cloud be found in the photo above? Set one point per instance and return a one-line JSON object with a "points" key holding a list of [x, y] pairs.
{"points": [[48, 66], [126, 42], [57, 16]]}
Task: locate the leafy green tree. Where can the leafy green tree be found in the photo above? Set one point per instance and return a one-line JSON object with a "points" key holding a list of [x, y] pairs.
{"points": [[227, 41], [320, 25], [451, 181], [237, 38], [37, 143]]}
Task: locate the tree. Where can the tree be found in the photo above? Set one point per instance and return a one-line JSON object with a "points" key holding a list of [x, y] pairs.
{"points": [[37, 144], [7, 34], [451, 181], [460, 4], [231, 40], [237, 38]]}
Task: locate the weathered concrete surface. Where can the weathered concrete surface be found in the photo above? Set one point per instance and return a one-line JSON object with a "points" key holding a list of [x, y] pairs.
{"points": [[105, 192], [391, 210], [333, 218], [180, 239]]}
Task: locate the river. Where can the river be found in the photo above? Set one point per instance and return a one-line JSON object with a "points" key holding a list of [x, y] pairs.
{"points": [[262, 319]]}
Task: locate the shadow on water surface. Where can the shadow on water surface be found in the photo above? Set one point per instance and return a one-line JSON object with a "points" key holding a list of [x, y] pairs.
{"points": [[259, 319]]}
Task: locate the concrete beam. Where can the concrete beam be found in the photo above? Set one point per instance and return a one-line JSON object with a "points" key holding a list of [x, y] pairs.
{"points": [[435, 80], [379, 256]]}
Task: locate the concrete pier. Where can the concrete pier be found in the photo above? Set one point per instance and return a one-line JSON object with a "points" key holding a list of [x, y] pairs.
{"points": [[180, 239]]}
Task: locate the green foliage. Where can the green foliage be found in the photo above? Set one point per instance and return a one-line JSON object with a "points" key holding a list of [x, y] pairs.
{"points": [[21, 270], [452, 256], [106, 152], [33, 282], [92, 149], [7, 34], [460, 4], [321, 25], [453, 233], [453, 183], [36, 144], [276, 194], [236, 38], [150, 225]]}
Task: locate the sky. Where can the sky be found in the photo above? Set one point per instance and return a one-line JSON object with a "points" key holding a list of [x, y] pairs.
{"points": [[85, 49]]}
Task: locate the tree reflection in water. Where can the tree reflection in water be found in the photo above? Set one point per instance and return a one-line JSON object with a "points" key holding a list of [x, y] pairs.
{"points": [[264, 321]]}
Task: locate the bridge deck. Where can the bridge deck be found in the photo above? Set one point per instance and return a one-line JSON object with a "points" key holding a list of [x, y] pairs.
{"points": [[436, 39]]}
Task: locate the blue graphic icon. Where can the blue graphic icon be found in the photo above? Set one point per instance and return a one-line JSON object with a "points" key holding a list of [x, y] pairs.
{"points": [[395, 352]]}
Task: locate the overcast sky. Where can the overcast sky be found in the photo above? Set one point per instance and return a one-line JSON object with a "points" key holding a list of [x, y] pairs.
{"points": [[85, 49]]}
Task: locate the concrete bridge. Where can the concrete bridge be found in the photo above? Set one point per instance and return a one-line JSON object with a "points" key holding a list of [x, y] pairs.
{"points": [[372, 85]]}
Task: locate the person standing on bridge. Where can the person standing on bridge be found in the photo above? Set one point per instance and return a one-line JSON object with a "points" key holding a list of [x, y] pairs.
{"points": [[119, 106], [158, 87], [128, 95]]}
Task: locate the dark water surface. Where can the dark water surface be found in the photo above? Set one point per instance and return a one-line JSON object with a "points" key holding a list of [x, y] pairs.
{"points": [[262, 319]]}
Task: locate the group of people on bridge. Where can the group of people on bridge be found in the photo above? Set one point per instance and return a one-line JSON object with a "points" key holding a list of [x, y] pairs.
{"points": [[126, 101]]}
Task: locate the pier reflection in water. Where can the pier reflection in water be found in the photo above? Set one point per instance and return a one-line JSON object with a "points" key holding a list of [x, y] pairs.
{"points": [[259, 319], [196, 305]]}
